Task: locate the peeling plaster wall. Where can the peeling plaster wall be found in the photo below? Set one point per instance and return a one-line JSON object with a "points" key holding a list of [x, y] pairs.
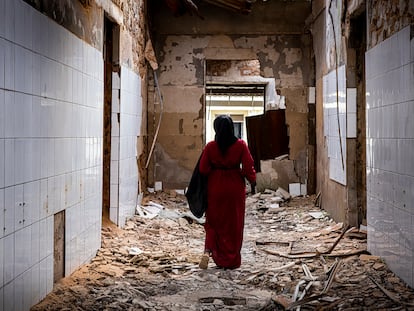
{"points": [[387, 17], [333, 194], [181, 79], [86, 22], [180, 138], [273, 34]]}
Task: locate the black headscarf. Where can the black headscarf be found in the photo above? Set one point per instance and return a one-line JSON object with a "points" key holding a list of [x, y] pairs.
{"points": [[223, 125]]}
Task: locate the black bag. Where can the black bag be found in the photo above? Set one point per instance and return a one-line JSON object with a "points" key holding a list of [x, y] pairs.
{"points": [[197, 192]]}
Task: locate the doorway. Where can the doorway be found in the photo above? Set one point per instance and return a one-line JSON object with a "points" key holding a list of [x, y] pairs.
{"points": [[237, 101], [110, 118], [356, 79], [59, 246]]}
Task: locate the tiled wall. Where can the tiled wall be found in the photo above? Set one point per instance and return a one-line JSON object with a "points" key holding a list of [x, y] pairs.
{"points": [[390, 150], [51, 95], [334, 110], [130, 126]]}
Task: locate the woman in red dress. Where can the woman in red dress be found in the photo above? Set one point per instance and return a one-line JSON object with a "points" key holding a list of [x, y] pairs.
{"points": [[224, 224]]}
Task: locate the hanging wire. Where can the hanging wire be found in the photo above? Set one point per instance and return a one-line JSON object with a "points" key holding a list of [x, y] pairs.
{"points": [[337, 85], [159, 121]]}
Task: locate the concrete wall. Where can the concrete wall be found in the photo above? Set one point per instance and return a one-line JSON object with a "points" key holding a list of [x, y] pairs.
{"points": [[51, 146], [184, 44]]}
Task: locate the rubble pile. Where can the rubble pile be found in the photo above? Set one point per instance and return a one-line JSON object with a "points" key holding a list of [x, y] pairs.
{"points": [[294, 257]]}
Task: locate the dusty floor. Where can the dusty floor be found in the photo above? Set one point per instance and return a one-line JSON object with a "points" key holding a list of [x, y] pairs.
{"points": [[152, 264]]}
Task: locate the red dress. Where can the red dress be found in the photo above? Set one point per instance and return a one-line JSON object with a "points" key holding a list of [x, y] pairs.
{"points": [[226, 200]]}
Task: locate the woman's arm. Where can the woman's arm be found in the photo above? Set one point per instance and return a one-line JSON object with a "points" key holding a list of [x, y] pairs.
{"points": [[248, 164], [205, 164]]}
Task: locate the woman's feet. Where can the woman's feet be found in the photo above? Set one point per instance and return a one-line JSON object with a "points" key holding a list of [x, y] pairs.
{"points": [[204, 261]]}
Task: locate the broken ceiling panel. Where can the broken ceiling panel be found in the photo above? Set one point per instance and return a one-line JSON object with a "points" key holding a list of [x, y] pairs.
{"points": [[180, 7], [241, 6]]}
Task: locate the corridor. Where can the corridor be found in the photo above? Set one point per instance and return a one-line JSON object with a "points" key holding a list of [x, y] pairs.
{"points": [[152, 264], [106, 106]]}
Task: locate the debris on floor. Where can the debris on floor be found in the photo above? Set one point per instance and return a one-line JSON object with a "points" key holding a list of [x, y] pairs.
{"points": [[294, 257]]}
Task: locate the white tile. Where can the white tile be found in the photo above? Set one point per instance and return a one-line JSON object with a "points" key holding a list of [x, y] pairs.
{"points": [[1, 288], [351, 100], [60, 80], [16, 114], [50, 234], [9, 210], [68, 86], [1, 263], [51, 157], [37, 34], [35, 284], [43, 237], [36, 75], [8, 291], [32, 202], [69, 224], [9, 19], [69, 253], [52, 36], [44, 205], [113, 214], [10, 112], [351, 125], [23, 24], [59, 193], [2, 162], [35, 243], [22, 250], [35, 124], [44, 117], [8, 258], [43, 278], [49, 277], [19, 157], [2, 59], [114, 195], [31, 160], [23, 70], [2, 26], [27, 116], [77, 87], [27, 289], [2, 115], [2, 214], [18, 207], [52, 194], [114, 172], [9, 59], [411, 44], [45, 72]]}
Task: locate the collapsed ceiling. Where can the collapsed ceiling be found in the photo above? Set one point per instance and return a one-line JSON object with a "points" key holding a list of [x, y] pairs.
{"points": [[180, 7]]}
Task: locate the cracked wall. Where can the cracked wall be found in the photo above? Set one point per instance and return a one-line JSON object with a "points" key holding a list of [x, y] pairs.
{"points": [[284, 57]]}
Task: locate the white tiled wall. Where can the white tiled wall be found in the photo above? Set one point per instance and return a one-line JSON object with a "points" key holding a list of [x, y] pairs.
{"points": [[390, 149], [129, 129], [334, 109], [51, 106]]}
